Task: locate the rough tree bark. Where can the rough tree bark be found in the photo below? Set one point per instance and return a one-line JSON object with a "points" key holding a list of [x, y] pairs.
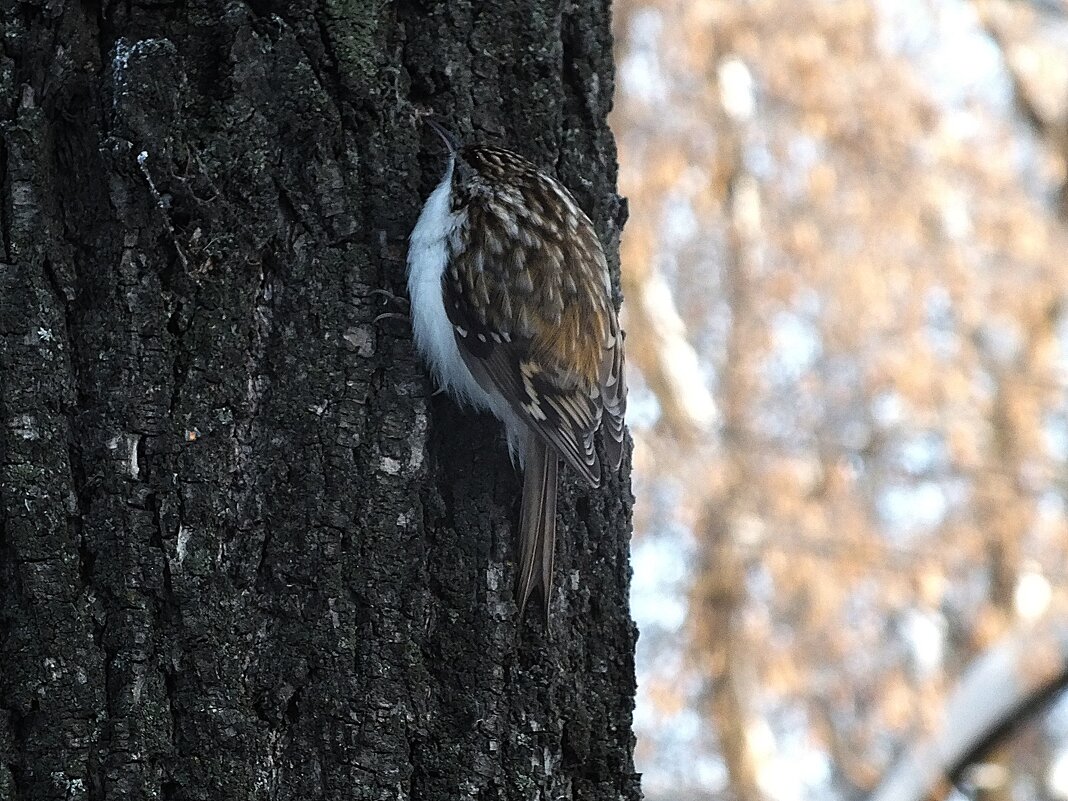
{"points": [[244, 554]]}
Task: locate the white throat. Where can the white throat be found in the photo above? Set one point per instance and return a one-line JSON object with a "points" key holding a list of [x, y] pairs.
{"points": [[428, 256], [427, 262]]}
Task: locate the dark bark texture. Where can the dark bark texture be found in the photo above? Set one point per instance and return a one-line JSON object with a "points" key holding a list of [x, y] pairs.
{"points": [[244, 552]]}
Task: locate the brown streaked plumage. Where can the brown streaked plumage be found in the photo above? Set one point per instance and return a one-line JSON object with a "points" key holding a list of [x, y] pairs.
{"points": [[525, 288]]}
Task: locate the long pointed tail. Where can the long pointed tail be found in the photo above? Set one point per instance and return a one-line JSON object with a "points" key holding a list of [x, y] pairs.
{"points": [[537, 522]]}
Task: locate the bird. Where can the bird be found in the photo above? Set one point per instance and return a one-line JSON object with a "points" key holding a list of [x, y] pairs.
{"points": [[512, 311]]}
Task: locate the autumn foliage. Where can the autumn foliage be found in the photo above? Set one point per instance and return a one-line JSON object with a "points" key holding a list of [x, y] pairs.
{"points": [[846, 271]]}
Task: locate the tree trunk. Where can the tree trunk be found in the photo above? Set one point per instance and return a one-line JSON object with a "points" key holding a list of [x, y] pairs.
{"points": [[244, 553]]}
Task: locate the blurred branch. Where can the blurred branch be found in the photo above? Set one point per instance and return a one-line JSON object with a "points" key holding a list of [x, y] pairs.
{"points": [[868, 247], [1037, 65], [1005, 510], [1038, 69], [873, 555], [1002, 690], [656, 335], [718, 596], [719, 588]]}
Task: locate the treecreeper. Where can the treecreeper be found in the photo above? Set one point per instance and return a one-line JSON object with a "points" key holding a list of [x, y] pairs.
{"points": [[511, 307]]}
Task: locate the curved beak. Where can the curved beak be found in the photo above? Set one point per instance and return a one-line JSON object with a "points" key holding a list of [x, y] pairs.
{"points": [[446, 137]]}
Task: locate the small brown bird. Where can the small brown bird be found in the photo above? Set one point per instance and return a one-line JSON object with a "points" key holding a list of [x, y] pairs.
{"points": [[512, 310]]}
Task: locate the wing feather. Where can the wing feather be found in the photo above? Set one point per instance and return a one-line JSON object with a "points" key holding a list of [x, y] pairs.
{"points": [[527, 292]]}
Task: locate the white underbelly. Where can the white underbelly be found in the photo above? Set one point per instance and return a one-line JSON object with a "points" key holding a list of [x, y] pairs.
{"points": [[434, 337], [433, 332]]}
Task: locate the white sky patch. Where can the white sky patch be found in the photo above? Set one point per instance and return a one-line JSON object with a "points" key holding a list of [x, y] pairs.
{"points": [[796, 345], [797, 773], [711, 774], [949, 46], [803, 154], [1032, 595], [1050, 510], [680, 224], [641, 73], [925, 631], [910, 508], [759, 160], [655, 596], [938, 308], [759, 585], [1058, 776], [922, 453], [643, 408], [736, 93], [661, 564], [1055, 433], [888, 409], [956, 215]]}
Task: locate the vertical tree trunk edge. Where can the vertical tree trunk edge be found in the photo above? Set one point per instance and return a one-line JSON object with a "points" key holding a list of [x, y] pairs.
{"points": [[245, 553]]}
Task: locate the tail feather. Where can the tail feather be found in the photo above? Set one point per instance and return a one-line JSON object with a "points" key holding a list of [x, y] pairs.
{"points": [[537, 523], [613, 442]]}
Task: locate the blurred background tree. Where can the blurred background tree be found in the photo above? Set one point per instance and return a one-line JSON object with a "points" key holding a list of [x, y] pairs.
{"points": [[846, 271]]}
